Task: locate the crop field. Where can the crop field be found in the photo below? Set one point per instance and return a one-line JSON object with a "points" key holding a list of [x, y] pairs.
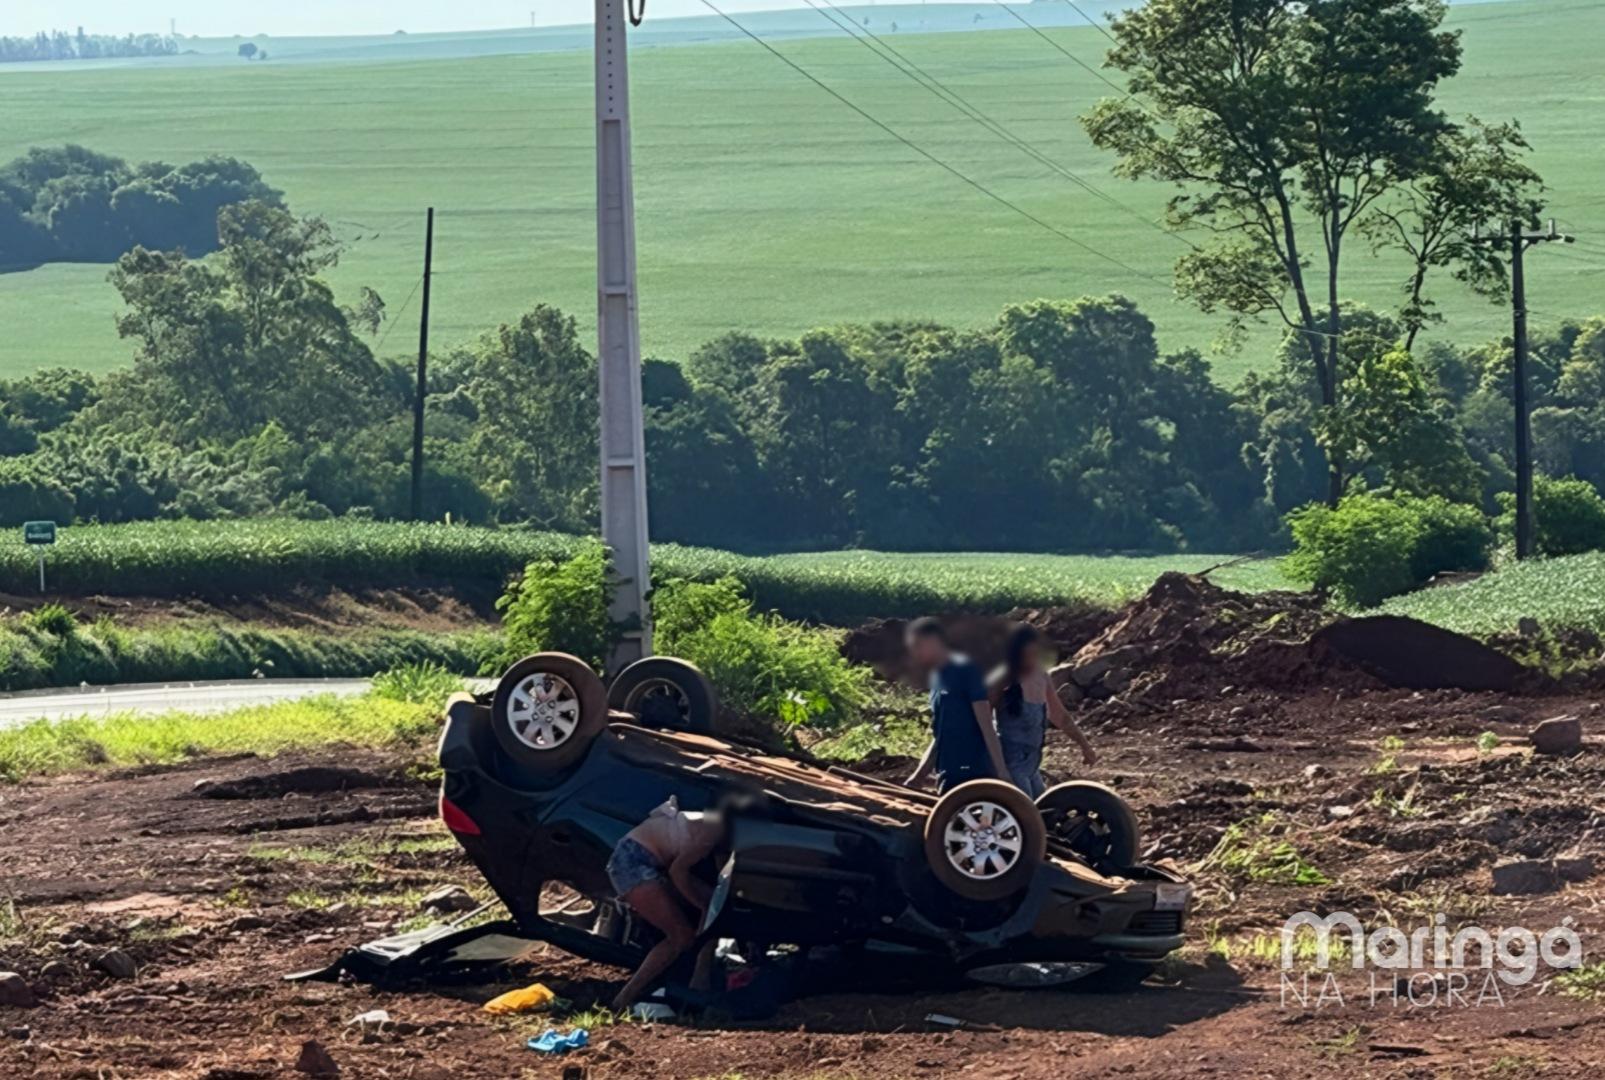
{"points": [[269, 556], [1564, 592], [762, 203]]}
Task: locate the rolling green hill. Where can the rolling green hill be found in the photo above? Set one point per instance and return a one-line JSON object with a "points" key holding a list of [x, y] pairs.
{"points": [[762, 203]]}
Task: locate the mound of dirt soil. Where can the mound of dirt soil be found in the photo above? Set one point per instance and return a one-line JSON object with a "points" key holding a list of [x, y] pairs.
{"points": [[1189, 638], [879, 644]]}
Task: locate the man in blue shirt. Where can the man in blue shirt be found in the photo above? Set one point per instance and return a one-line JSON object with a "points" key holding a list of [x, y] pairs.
{"points": [[964, 739]]}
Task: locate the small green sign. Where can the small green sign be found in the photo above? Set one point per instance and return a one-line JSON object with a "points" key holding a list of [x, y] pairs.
{"points": [[39, 532]]}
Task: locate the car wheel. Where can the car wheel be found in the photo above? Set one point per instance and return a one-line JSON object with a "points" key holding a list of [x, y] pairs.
{"points": [[547, 709], [984, 840], [1092, 821], [667, 693]]}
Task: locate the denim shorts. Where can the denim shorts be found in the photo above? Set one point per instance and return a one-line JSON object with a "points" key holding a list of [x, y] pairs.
{"points": [[632, 865]]}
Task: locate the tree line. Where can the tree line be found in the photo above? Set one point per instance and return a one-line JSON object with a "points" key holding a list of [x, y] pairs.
{"points": [[254, 390], [60, 45], [69, 204]]}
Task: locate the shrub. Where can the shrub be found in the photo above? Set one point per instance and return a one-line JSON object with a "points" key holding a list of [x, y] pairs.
{"points": [[763, 666], [53, 619], [424, 683], [1454, 536], [1374, 546], [1568, 516], [562, 605]]}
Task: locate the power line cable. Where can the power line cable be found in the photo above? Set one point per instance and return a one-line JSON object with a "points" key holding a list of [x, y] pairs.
{"points": [[920, 150], [402, 310], [927, 81], [1101, 28], [1037, 30]]}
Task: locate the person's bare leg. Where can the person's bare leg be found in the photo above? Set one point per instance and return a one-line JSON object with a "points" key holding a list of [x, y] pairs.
{"points": [[659, 905]]}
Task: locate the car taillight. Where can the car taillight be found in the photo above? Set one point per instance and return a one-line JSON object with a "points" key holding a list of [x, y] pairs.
{"points": [[455, 819]]}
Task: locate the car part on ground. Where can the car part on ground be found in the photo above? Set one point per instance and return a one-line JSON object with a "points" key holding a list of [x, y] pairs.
{"points": [[667, 693], [985, 840], [1092, 821], [547, 709]]}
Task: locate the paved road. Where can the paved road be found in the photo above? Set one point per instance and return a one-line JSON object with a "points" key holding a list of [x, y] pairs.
{"points": [[202, 697]]}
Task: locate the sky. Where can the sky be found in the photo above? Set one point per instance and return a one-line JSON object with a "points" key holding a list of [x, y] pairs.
{"points": [[222, 18]]}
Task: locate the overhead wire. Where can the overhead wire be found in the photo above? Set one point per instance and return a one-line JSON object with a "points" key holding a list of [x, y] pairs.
{"points": [[402, 310], [1100, 27], [923, 152], [1037, 30], [924, 79]]}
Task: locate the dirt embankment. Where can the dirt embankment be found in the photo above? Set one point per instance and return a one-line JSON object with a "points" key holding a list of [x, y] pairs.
{"points": [[439, 610], [1308, 784]]}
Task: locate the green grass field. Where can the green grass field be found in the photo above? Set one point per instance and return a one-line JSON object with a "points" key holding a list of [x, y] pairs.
{"points": [[1565, 592], [762, 204], [269, 556], [45, 747]]}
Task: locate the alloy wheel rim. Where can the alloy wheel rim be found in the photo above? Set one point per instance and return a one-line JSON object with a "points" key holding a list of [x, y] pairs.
{"points": [[543, 711], [983, 840]]}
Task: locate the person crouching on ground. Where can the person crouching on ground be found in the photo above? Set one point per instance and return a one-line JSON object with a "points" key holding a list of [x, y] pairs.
{"points": [[1024, 699], [652, 871], [964, 742]]}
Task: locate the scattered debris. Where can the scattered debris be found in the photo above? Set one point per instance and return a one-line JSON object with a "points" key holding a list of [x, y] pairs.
{"points": [[375, 1018], [1558, 735], [449, 898], [955, 1023], [247, 922], [528, 999], [556, 1042]]}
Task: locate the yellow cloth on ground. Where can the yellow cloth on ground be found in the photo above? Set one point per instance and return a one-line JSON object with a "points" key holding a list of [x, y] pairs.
{"points": [[529, 999]]}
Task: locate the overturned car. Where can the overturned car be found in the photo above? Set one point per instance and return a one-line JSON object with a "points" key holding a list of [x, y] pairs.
{"points": [[543, 777]]}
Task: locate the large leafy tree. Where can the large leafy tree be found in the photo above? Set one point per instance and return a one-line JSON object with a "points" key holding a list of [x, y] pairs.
{"points": [[1286, 123], [532, 387], [72, 204], [250, 336]]}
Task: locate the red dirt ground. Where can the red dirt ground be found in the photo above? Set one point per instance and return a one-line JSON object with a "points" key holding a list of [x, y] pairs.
{"points": [[1277, 794], [135, 860], [330, 610]]}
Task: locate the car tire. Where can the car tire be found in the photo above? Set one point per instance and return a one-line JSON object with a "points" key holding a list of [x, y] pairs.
{"points": [[547, 709], [668, 693], [1000, 820], [1094, 822]]}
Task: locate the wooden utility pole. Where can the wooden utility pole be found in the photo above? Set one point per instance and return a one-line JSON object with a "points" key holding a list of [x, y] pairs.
{"points": [[624, 528], [423, 374], [1520, 239]]}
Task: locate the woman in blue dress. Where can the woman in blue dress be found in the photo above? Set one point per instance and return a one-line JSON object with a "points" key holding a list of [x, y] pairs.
{"points": [[1024, 702]]}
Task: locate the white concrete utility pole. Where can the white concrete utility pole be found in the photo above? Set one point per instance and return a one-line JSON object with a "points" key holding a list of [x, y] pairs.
{"points": [[618, 335]]}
